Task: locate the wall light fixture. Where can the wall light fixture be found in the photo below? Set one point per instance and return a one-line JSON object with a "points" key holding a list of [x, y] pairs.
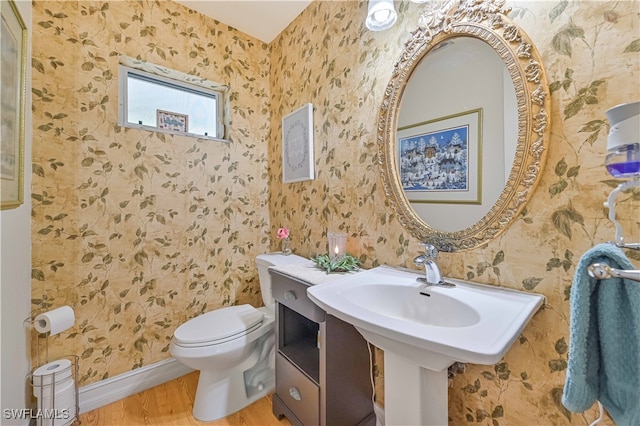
{"points": [[381, 15]]}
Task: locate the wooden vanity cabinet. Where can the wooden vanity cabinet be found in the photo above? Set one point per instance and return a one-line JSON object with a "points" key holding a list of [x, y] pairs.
{"points": [[322, 363]]}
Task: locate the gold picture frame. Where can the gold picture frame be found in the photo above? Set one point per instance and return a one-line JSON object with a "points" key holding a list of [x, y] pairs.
{"points": [[13, 68], [488, 22], [440, 160]]}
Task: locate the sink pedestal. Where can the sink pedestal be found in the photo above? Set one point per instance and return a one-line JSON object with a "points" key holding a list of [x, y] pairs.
{"points": [[423, 331], [416, 383], [414, 395]]}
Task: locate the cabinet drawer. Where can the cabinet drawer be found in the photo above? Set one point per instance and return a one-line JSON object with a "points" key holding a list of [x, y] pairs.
{"points": [[297, 391], [293, 293]]}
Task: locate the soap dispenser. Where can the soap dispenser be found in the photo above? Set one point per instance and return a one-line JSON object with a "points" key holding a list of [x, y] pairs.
{"points": [[623, 142]]}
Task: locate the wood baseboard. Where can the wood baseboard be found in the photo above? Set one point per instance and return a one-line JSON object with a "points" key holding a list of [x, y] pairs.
{"points": [[123, 385]]}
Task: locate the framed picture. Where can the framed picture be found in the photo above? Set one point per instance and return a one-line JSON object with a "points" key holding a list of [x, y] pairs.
{"points": [[297, 145], [172, 121], [13, 79], [439, 160]]}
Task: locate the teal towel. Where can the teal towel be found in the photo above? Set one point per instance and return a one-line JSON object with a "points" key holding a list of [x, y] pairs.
{"points": [[604, 347]]}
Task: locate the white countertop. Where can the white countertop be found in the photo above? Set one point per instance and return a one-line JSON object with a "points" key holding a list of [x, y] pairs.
{"points": [[310, 273]]}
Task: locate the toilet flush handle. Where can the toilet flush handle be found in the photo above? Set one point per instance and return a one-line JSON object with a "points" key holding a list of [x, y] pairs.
{"points": [[290, 295]]}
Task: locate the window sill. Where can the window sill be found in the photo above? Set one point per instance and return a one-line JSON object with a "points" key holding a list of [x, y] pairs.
{"points": [[172, 132]]}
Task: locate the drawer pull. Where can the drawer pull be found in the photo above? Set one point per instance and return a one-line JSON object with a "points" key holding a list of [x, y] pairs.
{"points": [[295, 393], [290, 295]]}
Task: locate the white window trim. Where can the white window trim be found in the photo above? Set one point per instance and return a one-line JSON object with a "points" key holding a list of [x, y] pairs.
{"points": [[138, 66]]}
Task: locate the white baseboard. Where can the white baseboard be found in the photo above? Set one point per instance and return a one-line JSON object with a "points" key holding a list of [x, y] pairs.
{"points": [[123, 385]]}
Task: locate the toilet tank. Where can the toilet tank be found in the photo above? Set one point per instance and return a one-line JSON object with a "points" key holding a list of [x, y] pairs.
{"points": [[263, 261]]}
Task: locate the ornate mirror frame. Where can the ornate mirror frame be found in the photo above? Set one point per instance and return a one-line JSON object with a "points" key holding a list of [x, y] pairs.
{"points": [[486, 21]]}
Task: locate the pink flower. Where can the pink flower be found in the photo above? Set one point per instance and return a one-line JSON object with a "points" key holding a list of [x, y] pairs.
{"points": [[283, 232]]}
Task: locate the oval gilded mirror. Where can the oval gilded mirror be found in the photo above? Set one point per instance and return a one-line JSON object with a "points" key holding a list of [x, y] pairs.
{"points": [[463, 125]]}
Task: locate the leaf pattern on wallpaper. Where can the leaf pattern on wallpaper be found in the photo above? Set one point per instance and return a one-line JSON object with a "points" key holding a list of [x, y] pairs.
{"points": [[559, 364], [562, 40], [564, 173], [587, 95], [142, 231], [479, 392], [564, 219], [558, 10], [634, 46], [565, 83], [594, 127], [124, 193], [531, 283], [565, 263], [477, 271]]}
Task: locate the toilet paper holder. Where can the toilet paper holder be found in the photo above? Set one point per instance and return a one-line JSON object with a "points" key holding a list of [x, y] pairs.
{"points": [[54, 384]]}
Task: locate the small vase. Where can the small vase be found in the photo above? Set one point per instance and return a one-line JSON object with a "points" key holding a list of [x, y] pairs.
{"points": [[286, 250]]}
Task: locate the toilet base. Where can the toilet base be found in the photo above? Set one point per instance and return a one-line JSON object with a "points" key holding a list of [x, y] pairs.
{"points": [[221, 393]]}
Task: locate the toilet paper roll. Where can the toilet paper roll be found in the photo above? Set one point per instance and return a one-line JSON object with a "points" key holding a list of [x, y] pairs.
{"points": [[55, 321], [64, 398], [61, 408], [58, 372]]}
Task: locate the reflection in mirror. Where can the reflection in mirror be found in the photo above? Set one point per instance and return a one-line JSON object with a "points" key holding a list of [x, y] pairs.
{"points": [[463, 125], [458, 75]]}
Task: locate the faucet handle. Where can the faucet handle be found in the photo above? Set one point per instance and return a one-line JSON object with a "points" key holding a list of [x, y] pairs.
{"points": [[430, 251], [420, 260]]}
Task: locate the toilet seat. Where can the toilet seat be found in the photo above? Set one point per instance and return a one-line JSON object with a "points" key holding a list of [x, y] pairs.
{"points": [[218, 326]]}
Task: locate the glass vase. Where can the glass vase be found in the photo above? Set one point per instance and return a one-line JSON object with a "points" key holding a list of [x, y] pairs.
{"points": [[285, 246], [337, 245]]}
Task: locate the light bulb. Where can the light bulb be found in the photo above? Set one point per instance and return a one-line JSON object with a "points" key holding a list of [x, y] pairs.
{"points": [[381, 15]]}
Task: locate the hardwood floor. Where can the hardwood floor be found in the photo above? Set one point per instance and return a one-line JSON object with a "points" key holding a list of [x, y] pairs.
{"points": [[171, 404]]}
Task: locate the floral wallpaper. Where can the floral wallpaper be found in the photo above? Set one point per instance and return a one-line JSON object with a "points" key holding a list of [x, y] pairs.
{"points": [[140, 231], [591, 55]]}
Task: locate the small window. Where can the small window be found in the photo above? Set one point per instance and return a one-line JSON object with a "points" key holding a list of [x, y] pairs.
{"points": [[158, 103]]}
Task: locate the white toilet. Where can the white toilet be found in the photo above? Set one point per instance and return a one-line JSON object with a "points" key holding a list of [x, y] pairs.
{"points": [[234, 349]]}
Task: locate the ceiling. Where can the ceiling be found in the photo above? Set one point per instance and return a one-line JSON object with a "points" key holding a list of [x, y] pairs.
{"points": [[262, 19]]}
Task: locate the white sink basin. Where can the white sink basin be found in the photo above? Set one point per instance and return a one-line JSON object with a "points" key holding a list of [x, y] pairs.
{"points": [[467, 323], [424, 329], [413, 304]]}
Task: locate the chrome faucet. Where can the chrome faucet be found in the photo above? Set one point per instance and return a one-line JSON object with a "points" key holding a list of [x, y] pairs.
{"points": [[428, 260]]}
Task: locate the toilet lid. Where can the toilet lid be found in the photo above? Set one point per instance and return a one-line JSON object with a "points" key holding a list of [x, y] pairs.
{"points": [[218, 324]]}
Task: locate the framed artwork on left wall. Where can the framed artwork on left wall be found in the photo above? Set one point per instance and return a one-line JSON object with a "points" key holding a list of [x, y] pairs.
{"points": [[297, 145], [13, 69]]}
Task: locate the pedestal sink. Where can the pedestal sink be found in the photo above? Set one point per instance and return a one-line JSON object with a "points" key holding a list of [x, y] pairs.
{"points": [[423, 330]]}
